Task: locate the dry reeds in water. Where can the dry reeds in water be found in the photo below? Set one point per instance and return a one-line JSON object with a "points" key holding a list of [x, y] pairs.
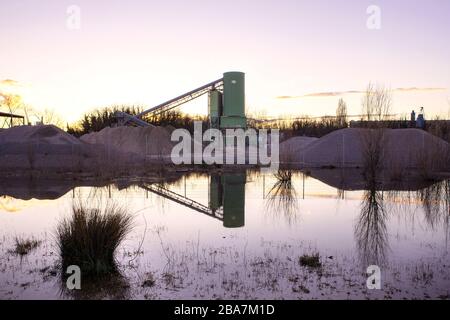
{"points": [[25, 246], [282, 196], [90, 237]]}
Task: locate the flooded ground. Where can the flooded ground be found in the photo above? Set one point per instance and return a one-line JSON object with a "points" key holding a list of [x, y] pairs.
{"points": [[240, 235]]}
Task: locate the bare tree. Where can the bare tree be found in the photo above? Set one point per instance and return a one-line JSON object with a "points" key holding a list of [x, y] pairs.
{"points": [[50, 116], [368, 102], [376, 102], [383, 100], [341, 113], [11, 103]]}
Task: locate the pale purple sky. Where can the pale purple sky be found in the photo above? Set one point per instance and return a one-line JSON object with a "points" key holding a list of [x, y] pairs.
{"points": [[150, 51]]}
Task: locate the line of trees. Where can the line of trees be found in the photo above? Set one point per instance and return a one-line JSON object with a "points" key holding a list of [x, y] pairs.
{"points": [[99, 119]]}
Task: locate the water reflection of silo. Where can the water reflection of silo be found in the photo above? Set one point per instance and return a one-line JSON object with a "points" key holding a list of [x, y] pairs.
{"points": [[215, 192], [228, 191]]}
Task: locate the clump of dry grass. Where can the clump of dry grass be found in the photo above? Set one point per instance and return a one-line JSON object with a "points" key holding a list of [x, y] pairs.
{"points": [[25, 246], [310, 261], [149, 282], [90, 237]]}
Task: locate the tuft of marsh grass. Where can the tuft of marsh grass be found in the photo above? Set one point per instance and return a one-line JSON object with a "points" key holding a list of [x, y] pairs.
{"points": [[283, 176], [25, 246], [90, 237], [150, 281], [310, 261], [283, 195]]}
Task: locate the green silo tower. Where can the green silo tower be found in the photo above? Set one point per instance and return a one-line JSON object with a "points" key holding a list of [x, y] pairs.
{"points": [[215, 108], [233, 113]]}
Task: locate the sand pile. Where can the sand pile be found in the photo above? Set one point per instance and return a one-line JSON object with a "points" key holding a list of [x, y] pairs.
{"points": [[37, 134], [407, 148], [294, 146], [50, 148], [150, 141]]}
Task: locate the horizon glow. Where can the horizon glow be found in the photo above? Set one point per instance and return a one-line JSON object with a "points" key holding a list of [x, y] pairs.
{"points": [[146, 52]]}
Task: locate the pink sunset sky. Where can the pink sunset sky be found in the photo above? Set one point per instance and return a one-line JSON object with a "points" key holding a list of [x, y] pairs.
{"points": [[300, 57]]}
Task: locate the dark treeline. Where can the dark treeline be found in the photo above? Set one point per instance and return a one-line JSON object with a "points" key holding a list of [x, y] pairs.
{"points": [[440, 128], [312, 127], [437, 127], [177, 120], [317, 128], [305, 127], [101, 118]]}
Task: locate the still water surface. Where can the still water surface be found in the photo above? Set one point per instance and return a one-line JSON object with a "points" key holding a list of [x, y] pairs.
{"points": [[240, 235]]}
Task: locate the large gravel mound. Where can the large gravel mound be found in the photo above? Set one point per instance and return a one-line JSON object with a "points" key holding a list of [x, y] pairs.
{"points": [[149, 140], [351, 147], [50, 148]]}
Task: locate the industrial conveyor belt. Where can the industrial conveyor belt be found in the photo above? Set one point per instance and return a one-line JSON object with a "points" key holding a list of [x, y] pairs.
{"points": [[125, 118]]}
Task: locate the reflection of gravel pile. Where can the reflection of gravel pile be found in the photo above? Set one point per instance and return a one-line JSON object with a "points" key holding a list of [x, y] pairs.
{"points": [[149, 140], [346, 147]]}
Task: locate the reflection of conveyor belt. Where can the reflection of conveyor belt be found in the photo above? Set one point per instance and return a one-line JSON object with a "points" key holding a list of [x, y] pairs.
{"points": [[163, 192]]}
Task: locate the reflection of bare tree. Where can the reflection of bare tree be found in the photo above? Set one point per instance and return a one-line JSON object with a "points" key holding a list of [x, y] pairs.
{"points": [[371, 229], [282, 197], [341, 189], [435, 201]]}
